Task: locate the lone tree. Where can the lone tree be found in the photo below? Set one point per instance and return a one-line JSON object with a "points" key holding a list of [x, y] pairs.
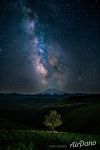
{"points": [[53, 120]]}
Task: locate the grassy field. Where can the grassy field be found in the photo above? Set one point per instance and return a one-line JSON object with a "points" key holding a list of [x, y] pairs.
{"points": [[80, 117], [77, 118], [43, 140]]}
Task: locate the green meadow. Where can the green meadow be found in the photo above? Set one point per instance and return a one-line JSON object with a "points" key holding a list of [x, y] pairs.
{"points": [[38, 140]]}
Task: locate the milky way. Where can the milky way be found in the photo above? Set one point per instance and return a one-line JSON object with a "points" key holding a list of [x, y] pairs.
{"points": [[49, 44], [44, 57]]}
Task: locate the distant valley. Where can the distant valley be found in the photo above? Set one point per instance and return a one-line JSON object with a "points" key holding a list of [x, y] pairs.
{"points": [[78, 111]]}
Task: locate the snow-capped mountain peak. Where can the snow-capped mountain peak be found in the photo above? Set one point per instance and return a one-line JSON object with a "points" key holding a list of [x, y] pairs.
{"points": [[53, 92]]}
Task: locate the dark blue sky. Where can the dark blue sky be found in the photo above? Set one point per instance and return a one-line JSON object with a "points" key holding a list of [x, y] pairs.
{"points": [[50, 44]]}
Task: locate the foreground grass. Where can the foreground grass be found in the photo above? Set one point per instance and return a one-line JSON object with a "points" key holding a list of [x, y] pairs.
{"points": [[42, 140]]}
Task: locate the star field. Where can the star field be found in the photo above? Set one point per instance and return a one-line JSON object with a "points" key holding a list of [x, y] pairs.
{"points": [[50, 44]]}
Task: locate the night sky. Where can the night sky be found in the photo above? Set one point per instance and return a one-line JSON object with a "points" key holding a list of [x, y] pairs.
{"points": [[50, 44]]}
